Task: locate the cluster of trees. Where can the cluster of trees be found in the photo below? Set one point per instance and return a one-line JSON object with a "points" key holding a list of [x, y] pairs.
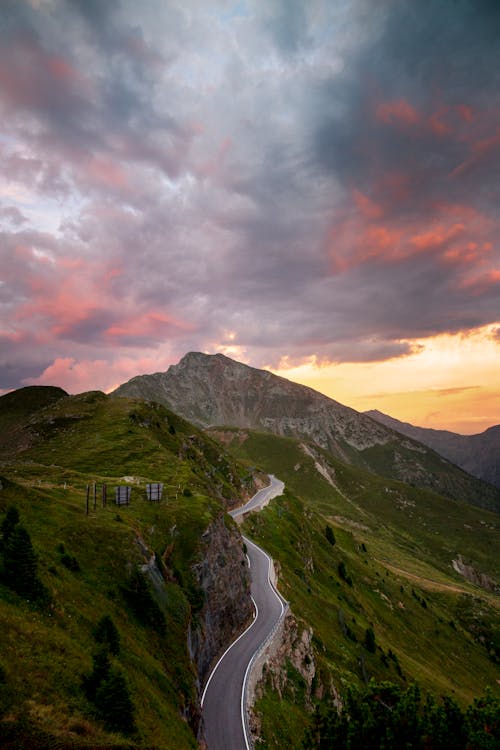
{"points": [[382, 716], [18, 562]]}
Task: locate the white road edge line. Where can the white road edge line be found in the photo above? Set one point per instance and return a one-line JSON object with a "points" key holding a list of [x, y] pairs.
{"points": [[229, 649], [251, 660], [282, 602]]}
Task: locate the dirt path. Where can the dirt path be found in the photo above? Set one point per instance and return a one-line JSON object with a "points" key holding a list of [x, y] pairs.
{"points": [[426, 583]]}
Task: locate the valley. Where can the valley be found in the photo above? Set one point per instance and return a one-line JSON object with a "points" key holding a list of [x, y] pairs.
{"points": [[387, 580]]}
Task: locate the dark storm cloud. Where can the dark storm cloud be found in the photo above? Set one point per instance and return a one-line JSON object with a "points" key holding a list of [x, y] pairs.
{"points": [[300, 179], [433, 63]]}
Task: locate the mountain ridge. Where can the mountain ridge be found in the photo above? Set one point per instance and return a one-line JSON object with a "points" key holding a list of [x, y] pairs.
{"points": [[477, 454], [214, 390]]}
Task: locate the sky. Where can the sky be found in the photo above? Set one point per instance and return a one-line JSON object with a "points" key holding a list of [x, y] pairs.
{"points": [[308, 186]]}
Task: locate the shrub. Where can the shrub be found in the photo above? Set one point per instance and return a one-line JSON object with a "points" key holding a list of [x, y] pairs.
{"points": [[71, 563], [370, 644], [343, 573], [330, 536]]}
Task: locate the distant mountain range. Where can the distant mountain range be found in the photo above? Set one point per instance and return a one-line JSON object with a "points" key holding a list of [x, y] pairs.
{"points": [[478, 454], [214, 390]]}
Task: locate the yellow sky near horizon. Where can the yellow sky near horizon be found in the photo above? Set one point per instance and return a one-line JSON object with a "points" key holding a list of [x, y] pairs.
{"points": [[451, 382]]}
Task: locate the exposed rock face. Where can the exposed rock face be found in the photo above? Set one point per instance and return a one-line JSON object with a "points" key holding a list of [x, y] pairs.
{"points": [[477, 454], [292, 644], [224, 577], [475, 576], [213, 390]]}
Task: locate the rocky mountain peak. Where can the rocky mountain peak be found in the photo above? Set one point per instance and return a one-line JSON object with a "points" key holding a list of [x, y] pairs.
{"points": [[212, 390]]}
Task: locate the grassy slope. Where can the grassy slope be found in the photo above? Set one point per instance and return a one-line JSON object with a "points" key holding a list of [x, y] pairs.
{"points": [[410, 537], [45, 652]]}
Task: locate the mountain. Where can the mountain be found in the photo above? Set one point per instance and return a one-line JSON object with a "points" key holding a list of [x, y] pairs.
{"points": [[377, 574], [359, 553], [212, 390], [479, 454]]}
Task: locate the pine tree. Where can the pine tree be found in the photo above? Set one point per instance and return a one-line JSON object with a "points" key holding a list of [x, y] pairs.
{"points": [[8, 524], [107, 634], [100, 672], [114, 704], [20, 564]]}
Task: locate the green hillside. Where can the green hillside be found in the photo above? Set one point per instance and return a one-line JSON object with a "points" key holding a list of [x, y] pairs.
{"points": [[389, 571], [87, 569], [364, 560]]}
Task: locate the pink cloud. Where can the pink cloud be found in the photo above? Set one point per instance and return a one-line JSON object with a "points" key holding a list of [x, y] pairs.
{"points": [[399, 111], [106, 172], [77, 376], [148, 324], [31, 77], [437, 237], [368, 207], [360, 237], [482, 149]]}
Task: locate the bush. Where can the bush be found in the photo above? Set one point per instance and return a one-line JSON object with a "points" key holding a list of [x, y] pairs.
{"points": [[71, 563], [370, 644], [330, 536], [343, 573]]}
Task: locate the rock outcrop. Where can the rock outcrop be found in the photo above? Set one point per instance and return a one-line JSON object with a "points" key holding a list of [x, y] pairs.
{"points": [[224, 578], [475, 576], [290, 645]]}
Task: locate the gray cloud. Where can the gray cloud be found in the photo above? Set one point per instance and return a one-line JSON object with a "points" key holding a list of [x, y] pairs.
{"points": [[309, 178]]}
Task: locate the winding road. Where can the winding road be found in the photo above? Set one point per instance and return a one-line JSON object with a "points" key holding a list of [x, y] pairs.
{"points": [[223, 697]]}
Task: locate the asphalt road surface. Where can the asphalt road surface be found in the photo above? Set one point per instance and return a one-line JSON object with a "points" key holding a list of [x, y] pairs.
{"points": [[261, 498], [222, 699]]}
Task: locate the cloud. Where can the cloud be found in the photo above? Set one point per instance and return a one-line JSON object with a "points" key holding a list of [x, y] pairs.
{"points": [[319, 179]]}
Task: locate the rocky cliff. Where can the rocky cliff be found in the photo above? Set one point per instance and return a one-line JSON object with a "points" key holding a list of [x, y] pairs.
{"points": [[212, 390], [223, 576]]}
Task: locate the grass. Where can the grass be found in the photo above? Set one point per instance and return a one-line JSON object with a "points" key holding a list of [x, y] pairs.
{"points": [[397, 543], [65, 446]]}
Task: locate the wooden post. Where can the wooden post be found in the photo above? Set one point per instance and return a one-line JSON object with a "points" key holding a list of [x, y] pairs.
{"points": [[95, 496], [88, 499], [103, 495]]}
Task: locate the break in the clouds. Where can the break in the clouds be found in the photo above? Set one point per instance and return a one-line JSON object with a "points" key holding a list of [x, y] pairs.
{"points": [[278, 180]]}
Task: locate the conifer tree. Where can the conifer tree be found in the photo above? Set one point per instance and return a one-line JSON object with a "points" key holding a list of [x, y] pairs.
{"points": [[8, 524], [100, 672], [114, 704], [20, 564], [107, 634]]}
